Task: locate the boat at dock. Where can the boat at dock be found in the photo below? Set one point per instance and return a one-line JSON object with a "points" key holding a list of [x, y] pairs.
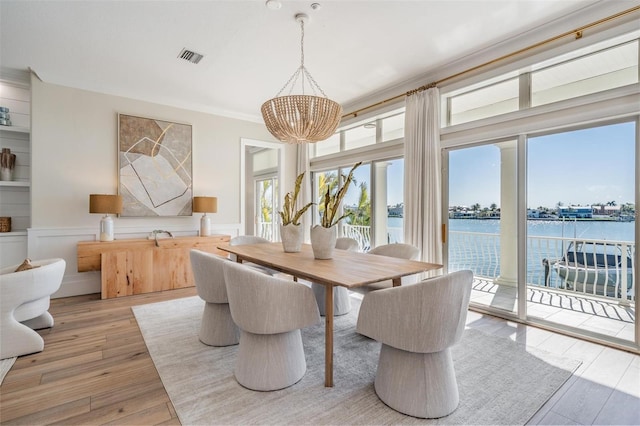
{"points": [[597, 268]]}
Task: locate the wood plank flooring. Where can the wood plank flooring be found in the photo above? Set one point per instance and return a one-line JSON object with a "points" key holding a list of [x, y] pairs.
{"points": [[95, 369]]}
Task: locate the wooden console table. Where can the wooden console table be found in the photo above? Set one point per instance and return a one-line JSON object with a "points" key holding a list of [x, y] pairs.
{"points": [[135, 266]]}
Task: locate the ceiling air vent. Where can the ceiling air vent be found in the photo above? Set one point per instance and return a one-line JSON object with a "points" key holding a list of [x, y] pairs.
{"points": [[190, 55]]}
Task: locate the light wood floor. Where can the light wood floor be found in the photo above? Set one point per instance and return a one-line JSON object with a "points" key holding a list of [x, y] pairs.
{"points": [[95, 369]]}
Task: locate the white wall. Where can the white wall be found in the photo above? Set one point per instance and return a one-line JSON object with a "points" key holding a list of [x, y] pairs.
{"points": [[74, 139], [74, 154]]}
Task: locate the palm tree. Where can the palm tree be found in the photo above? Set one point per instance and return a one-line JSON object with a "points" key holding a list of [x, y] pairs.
{"points": [[265, 203], [362, 214], [325, 179]]}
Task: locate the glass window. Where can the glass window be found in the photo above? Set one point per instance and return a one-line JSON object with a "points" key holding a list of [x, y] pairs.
{"points": [[581, 191], [395, 201], [488, 101], [604, 66], [393, 127], [607, 69], [482, 221], [329, 146], [267, 202], [357, 202], [321, 182], [360, 136]]}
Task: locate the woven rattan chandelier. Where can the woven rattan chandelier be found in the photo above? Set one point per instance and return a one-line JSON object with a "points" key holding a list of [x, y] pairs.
{"points": [[305, 117]]}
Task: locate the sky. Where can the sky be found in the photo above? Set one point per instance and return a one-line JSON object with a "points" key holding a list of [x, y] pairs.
{"points": [[581, 167]]}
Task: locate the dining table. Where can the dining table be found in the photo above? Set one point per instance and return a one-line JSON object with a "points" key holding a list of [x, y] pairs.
{"points": [[345, 269]]}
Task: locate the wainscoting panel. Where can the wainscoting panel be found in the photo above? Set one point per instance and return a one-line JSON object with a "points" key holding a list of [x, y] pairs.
{"points": [[13, 248]]}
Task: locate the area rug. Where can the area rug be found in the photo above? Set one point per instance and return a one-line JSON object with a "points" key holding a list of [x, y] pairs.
{"points": [[500, 381], [5, 366]]}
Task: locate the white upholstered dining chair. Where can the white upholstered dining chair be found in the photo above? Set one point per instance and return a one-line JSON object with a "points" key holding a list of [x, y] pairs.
{"points": [[341, 299], [270, 312], [251, 239], [217, 327], [417, 326], [398, 250]]}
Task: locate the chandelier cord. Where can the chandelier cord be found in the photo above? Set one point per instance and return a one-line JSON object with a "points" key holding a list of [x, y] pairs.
{"points": [[301, 118], [302, 70], [302, 52]]}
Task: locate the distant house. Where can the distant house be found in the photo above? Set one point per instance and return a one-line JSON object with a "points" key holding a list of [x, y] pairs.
{"points": [[395, 211], [577, 212], [462, 214], [606, 210]]}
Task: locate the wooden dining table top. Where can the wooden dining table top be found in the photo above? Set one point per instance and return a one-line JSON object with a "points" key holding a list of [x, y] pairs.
{"points": [[346, 268]]}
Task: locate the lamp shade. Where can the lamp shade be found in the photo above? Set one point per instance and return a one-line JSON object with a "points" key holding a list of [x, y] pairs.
{"points": [[103, 203], [205, 204]]}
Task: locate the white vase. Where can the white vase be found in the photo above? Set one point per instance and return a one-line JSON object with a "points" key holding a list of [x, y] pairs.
{"points": [[323, 241], [292, 236]]}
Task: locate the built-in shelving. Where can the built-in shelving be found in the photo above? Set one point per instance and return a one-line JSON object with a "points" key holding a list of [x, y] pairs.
{"points": [[15, 183], [16, 193], [18, 129]]}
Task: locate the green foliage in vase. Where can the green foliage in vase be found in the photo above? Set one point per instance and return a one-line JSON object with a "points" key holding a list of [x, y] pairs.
{"points": [[331, 202], [289, 214]]}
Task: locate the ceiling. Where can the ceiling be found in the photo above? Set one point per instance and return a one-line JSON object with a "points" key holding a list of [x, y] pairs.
{"points": [[353, 49]]}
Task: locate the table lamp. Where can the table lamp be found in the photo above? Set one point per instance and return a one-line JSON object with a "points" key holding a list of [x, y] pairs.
{"points": [[205, 205], [107, 204]]}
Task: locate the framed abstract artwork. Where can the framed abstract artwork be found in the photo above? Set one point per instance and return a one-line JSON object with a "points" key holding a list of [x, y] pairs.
{"points": [[154, 167]]}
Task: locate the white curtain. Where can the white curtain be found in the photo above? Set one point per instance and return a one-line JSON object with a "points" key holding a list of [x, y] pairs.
{"points": [[302, 165], [422, 175]]}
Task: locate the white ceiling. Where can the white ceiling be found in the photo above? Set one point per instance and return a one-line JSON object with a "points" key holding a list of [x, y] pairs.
{"points": [[354, 49]]}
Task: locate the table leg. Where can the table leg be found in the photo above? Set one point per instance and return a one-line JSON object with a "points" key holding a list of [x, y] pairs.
{"points": [[397, 282], [328, 336]]}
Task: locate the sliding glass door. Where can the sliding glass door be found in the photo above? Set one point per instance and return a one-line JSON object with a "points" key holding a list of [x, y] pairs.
{"points": [[550, 221], [581, 270], [482, 221]]}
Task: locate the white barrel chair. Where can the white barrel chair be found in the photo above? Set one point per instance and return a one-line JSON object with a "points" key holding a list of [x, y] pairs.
{"points": [[217, 327], [24, 304], [241, 240], [417, 326], [341, 299], [270, 312], [397, 250]]}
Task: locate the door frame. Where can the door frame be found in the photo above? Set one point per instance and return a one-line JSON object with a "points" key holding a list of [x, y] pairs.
{"points": [[245, 143]]}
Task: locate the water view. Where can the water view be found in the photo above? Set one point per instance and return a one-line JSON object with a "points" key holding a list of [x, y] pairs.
{"points": [[475, 244], [598, 230]]}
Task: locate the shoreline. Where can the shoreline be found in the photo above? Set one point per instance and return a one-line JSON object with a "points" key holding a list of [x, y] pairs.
{"points": [[550, 219]]}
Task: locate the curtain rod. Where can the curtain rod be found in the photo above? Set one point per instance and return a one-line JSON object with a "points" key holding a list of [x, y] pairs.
{"points": [[577, 33]]}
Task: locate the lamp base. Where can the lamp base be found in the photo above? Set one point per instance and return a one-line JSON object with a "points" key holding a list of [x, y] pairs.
{"points": [[106, 228], [205, 226]]}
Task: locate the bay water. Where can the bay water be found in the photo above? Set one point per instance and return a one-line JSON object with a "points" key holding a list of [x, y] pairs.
{"points": [[482, 253]]}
